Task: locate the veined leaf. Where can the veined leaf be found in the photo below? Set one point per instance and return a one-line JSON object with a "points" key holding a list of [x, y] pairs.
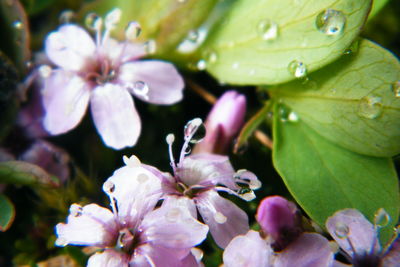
{"points": [[273, 41], [7, 213], [324, 177], [377, 5], [354, 102]]}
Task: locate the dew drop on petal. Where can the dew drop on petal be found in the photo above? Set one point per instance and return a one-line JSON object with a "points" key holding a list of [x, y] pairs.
{"points": [[381, 218], [370, 107], [66, 16], [219, 217], [109, 187], [18, 25], [61, 242], [330, 22], [396, 89], [132, 31], [140, 88], [267, 29], [341, 230], [195, 130], [297, 68]]}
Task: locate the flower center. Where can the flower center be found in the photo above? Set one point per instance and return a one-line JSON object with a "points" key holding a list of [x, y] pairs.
{"points": [[127, 240]]}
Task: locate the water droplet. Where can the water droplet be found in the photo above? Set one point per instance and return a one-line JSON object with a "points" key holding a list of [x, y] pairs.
{"points": [[66, 16], [370, 107], [75, 210], [341, 230], [201, 64], [18, 25], [195, 130], [140, 88], [219, 217], [133, 30], [211, 57], [150, 47], [293, 117], [45, 71], [330, 22], [353, 48], [108, 187], [285, 113], [193, 36], [381, 218], [61, 242], [192, 41], [297, 68], [267, 29], [396, 89], [93, 22]]}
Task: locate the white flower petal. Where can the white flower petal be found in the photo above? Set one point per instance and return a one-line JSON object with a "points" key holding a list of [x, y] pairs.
{"points": [[115, 116], [70, 47], [65, 99], [164, 82], [108, 258]]}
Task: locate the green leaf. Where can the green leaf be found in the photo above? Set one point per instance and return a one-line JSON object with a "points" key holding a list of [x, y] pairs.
{"points": [[377, 5], [15, 34], [354, 102], [24, 173], [260, 41], [324, 178], [165, 21], [7, 213]]}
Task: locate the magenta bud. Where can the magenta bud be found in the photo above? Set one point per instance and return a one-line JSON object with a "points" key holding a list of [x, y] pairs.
{"points": [[223, 123], [279, 219]]}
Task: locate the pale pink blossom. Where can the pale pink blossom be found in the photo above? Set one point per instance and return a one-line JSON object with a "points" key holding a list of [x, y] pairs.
{"points": [[198, 178], [104, 73], [358, 238], [133, 233]]}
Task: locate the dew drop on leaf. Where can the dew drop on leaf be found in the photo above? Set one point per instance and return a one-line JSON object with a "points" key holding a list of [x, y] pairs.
{"points": [[330, 22], [381, 218], [267, 29], [370, 107], [293, 117], [396, 89], [297, 69], [211, 57], [201, 64]]}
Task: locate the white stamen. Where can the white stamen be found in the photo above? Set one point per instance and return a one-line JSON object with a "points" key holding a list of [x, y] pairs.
{"points": [[255, 184], [112, 18], [170, 139], [132, 31], [197, 253], [108, 187], [45, 71], [75, 210], [132, 161]]}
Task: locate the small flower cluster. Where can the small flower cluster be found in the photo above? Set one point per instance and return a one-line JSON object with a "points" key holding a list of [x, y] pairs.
{"points": [[139, 231]]}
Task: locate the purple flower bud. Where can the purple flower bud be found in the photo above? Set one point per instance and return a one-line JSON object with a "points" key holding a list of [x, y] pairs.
{"points": [[223, 123], [278, 218]]}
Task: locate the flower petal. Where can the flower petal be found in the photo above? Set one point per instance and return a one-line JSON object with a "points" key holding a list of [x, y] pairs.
{"points": [[90, 225], [65, 99], [121, 52], [115, 116], [224, 218], [149, 256], [309, 250], [207, 169], [69, 47], [361, 232], [108, 258], [172, 225], [392, 258], [247, 250], [136, 191], [164, 83]]}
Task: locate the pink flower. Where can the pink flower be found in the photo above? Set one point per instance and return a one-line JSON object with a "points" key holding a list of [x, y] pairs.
{"points": [[359, 238], [223, 123], [134, 233], [278, 220], [105, 73], [197, 180]]}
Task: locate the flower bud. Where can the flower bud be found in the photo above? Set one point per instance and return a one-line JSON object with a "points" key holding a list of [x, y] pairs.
{"points": [[223, 123], [279, 219]]}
